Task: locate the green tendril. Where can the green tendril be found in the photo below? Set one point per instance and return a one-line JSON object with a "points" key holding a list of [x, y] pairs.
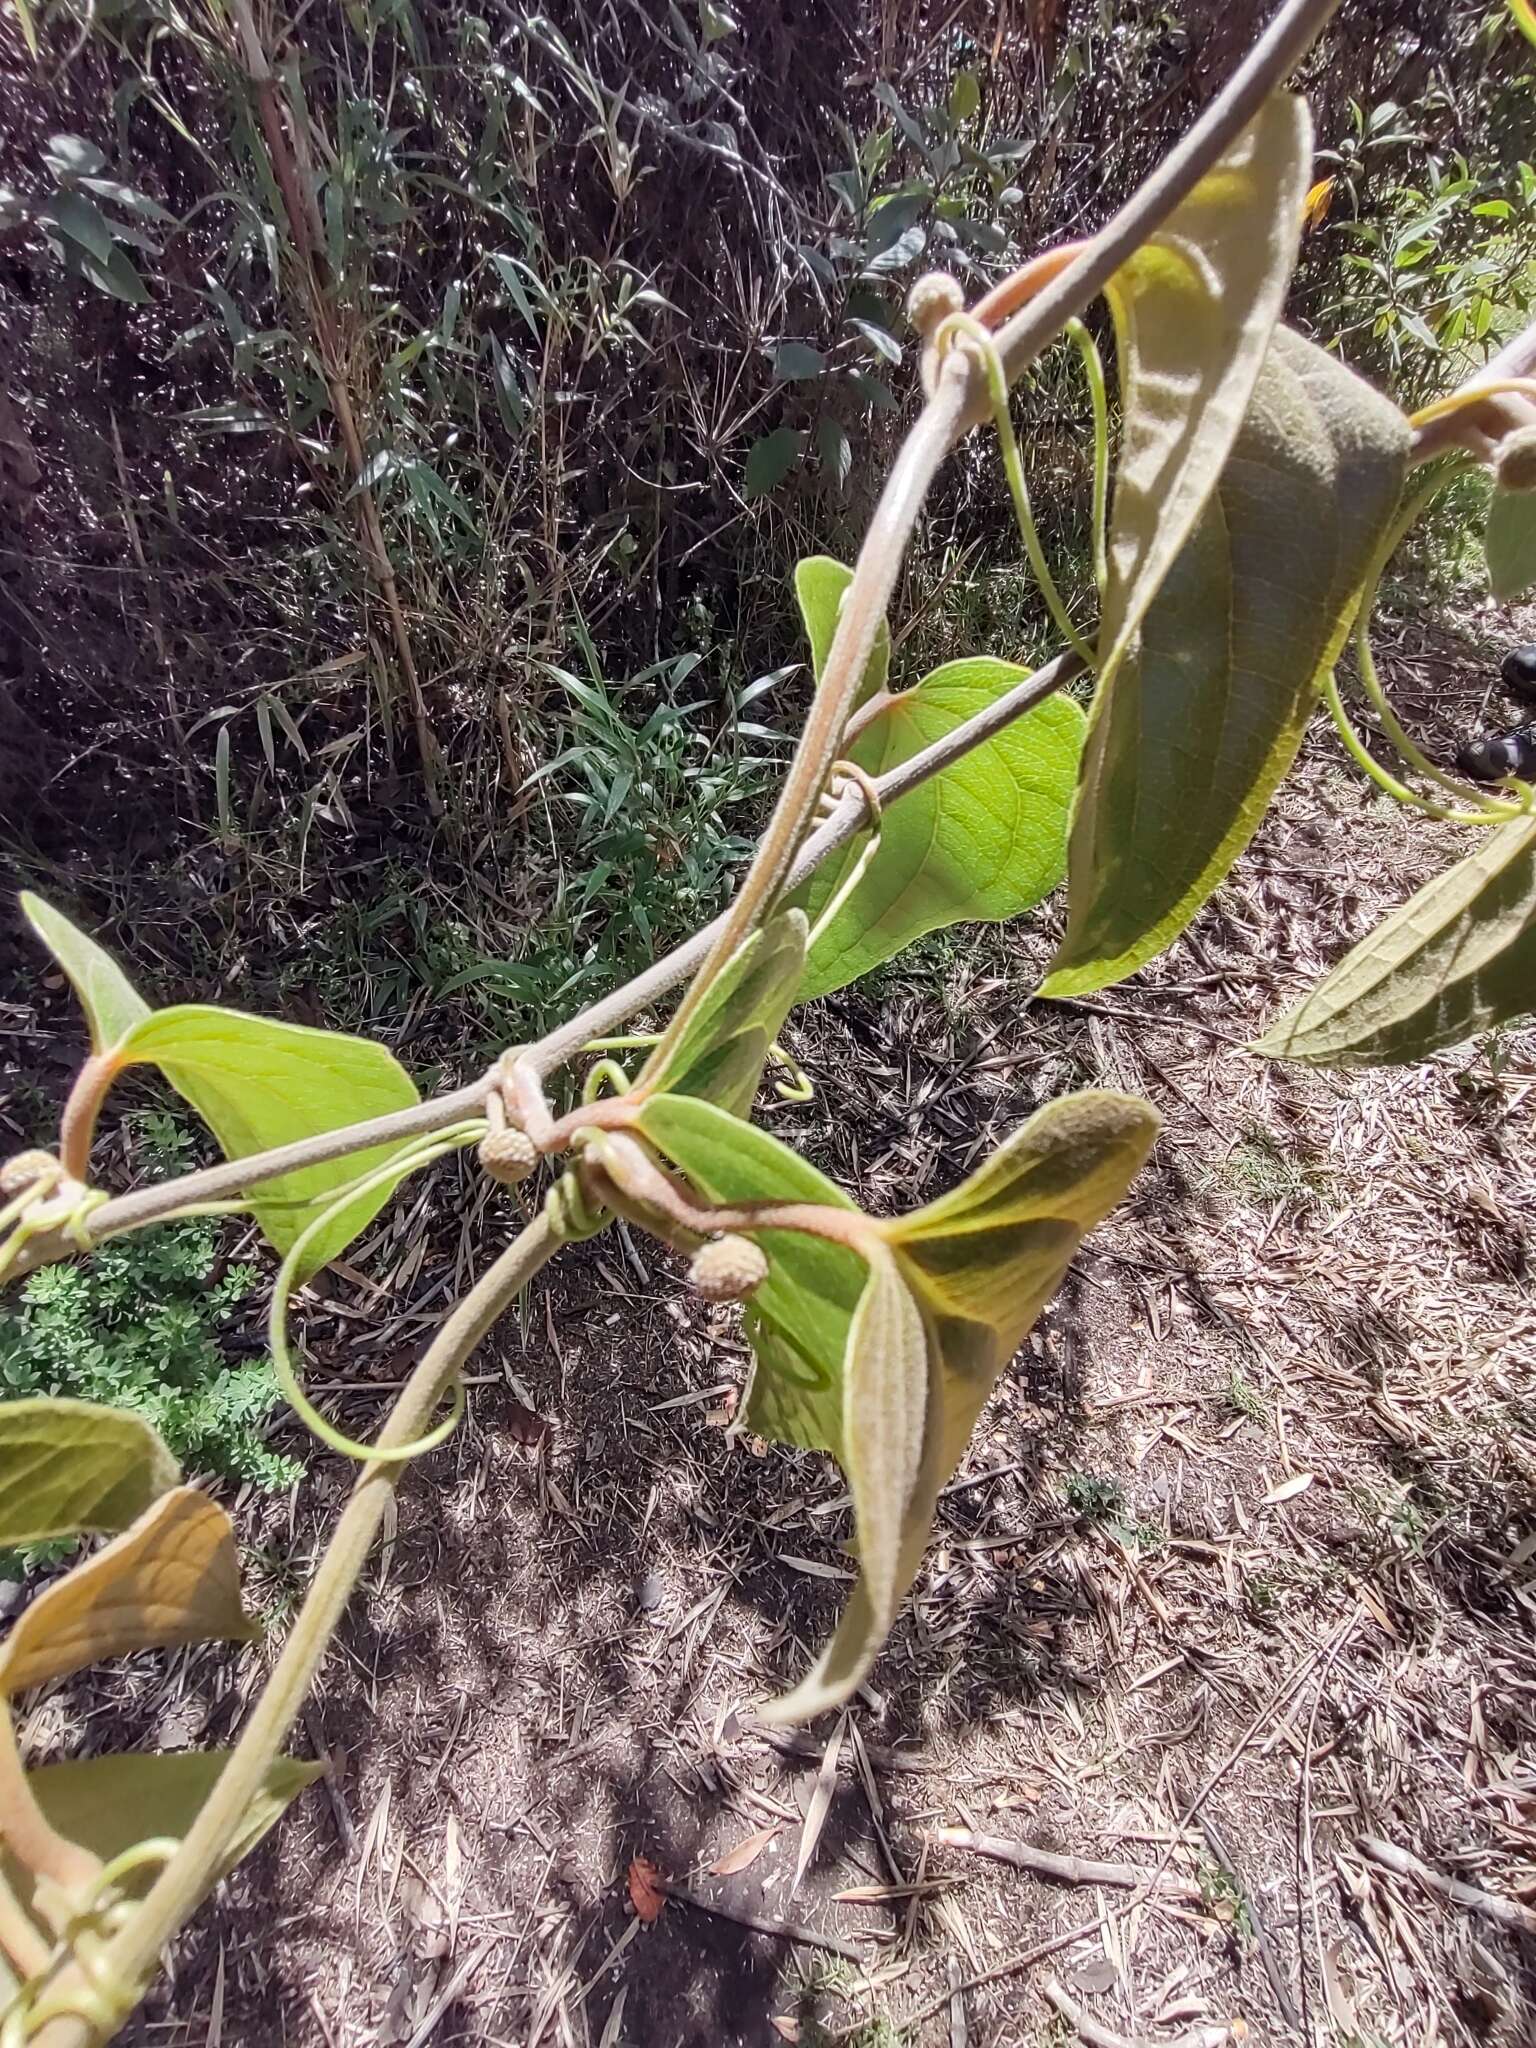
{"points": [[451, 1140], [1383, 779], [1098, 397], [962, 324], [798, 1087], [873, 815], [604, 1070]]}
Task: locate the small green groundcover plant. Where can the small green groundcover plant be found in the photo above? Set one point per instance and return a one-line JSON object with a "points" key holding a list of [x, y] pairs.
{"points": [[136, 1327], [1260, 489]]}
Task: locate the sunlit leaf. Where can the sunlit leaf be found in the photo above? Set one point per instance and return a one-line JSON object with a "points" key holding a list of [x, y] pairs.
{"points": [[112, 1006], [885, 1399], [799, 1318], [260, 1083], [71, 1466], [1455, 960], [849, 1351], [110, 1803], [1193, 309], [819, 586], [983, 840], [980, 1263], [724, 1046], [172, 1578], [1193, 732]]}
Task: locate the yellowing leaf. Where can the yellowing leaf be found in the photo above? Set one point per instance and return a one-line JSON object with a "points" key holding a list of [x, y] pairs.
{"points": [[724, 1046], [982, 841], [172, 1578], [110, 1803], [1456, 959], [259, 1083], [819, 586], [1192, 734], [1193, 310], [1315, 207], [111, 1004], [69, 1466]]}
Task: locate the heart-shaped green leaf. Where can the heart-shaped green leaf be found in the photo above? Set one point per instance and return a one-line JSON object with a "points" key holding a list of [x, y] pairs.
{"points": [[1456, 959], [983, 840], [724, 1045], [172, 1578], [258, 1083], [111, 1004], [111, 1803], [799, 1318], [71, 1466], [1192, 733], [1193, 310], [820, 583]]}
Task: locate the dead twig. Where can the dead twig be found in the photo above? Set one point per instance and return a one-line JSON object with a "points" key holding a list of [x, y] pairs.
{"points": [[780, 1930], [1506, 1913], [1065, 1869], [1105, 2037]]}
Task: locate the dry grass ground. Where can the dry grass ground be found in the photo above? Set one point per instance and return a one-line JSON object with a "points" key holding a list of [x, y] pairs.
{"points": [[1232, 1604]]}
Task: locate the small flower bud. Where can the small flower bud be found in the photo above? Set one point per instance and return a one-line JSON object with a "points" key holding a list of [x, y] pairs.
{"points": [[1514, 465], [932, 299], [729, 1269], [25, 1170], [508, 1155]]}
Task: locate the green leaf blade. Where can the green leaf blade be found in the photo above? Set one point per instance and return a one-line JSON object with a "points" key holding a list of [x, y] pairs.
{"points": [[798, 1320], [724, 1046], [1510, 542], [1456, 959], [978, 1266], [1193, 311], [820, 583], [113, 1007], [770, 459], [111, 1803], [982, 841], [259, 1083], [1192, 734], [72, 1467]]}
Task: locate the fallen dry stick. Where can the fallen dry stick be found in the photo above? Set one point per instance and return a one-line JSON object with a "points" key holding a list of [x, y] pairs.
{"points": [[1215, 2036], [1066, 1869], [1506, 1912], [781, 1930]]}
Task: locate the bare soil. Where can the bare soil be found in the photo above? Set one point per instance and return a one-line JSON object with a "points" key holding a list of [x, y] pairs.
{"points": [[1236, 1585]]}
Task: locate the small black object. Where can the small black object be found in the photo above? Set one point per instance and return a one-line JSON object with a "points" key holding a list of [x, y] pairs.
{"points": [[1518, 675], [1494, 755]]}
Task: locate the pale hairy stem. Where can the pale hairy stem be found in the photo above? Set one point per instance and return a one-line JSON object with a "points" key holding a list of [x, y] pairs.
{"points": [[863, 609], [1480, 428], [548, 1054], [130, 1955]]}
